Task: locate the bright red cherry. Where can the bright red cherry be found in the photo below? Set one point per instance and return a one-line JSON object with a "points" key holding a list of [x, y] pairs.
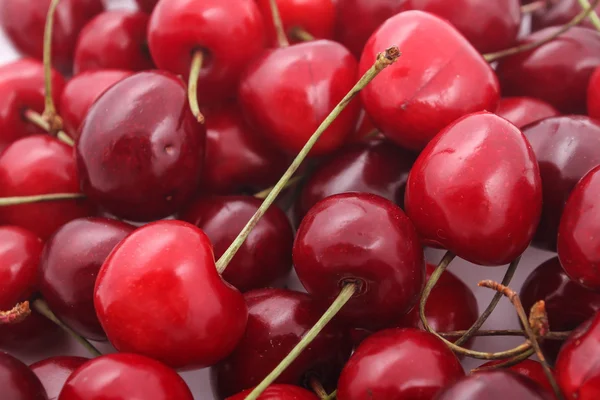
{"points": [[439, 78], [593, 95], [558, 13], [277, 320], [476, 190], [17, 381], [230, 33], [125, 377], [523, 111], [365, 239], [159, 294], [529, 368], [279, 392], [140, 150], [53, 372], [146, 5]]}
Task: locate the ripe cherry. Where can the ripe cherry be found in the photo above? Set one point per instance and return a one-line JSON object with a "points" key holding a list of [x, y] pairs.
{"points": [[365, 130], [18, 382], [146, 5], [593, 95], [529, 368], [33, 335], [53, 372], [558, 13], [522, 111], [279, 392]]}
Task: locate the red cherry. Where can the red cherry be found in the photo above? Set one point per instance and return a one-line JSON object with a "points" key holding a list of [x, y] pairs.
{"points": [[439, 78], [399, 364], [140, 150], [146, 5], [24, 22], [277, 320], [114, 40], [33, 335], [279, 392], [476, 190], [593, 95], [53, 372], [125, 377], [159, 294], [529, 368], [572, 57], [17, 381], [364, 129], [521, 111], [364, 239], [287, 92], [230, 33], [558, 13]]}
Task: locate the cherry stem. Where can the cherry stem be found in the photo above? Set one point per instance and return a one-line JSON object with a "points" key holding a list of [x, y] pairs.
{"points": [[197, 61], [42, 308], [50, 113], [264, 193], [301, 34], [42, 123], [508, 363], [16, 315], [516, 301], [506, 332], [593, 17], [332, 396], [535, 6], [345, 295], [383, 60], [318, 388], [491, 57], [16, 201], [279, 30]]}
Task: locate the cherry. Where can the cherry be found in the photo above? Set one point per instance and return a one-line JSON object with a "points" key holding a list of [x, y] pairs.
{"points": [[364, 239], [24, 22], [125, 377], [558, 13], [32, 336], [566, 149], [114, 40], [572, 57], [53, 372], [287, 92], [277, 320], [69, 266], [159, 294], [522, 111], [140, 150], [279, 392], [593, 95], [399, 364], [439, 78], [528, 368], [17, 380], [365, 130], [146, 5]]}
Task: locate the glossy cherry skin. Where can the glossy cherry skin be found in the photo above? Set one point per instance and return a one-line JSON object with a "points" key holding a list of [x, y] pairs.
{"points": [[572, 57], [146, 5], [70, 263], [279, 392], [365, 129], [140, 150], [476, 190], [439, 78], [522, 111], [593, 95], [559, 13], [114, 40], [397, 364], [277, 320], [22, 88], [288, 92], [124, 377], [366, 239], [18, 382], [159, 294], [81, 92], [528, 368], [53, 372], [230, 32], [33, 335], [24, 22]]}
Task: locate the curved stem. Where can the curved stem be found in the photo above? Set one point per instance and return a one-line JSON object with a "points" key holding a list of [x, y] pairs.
{"points": [[345, 295], [593, 17], [50, 109], [316, 387], [383, 60], [197, 60], [15, 201], [506, 332], [301, 34], [508, 363], [264, 193], [279, 30], [41, 122], [16, 315]]}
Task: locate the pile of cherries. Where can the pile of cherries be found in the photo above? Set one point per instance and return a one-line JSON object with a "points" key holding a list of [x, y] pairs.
{"points": [[143, 154]]}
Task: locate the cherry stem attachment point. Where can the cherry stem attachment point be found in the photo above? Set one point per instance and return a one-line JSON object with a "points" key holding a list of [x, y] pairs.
{"points": [[278, 23], [318, 388], [19, 200], [301, 34], [16, 315], [593, 17], [41, 122], [197, 61], [50, 114]]}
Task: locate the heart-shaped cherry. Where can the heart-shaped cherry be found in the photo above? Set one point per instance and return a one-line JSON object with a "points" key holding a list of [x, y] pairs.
{"points": [[593, 95], [279, 392], [18, 382], [53, 372], [523, 111], [528, 368], [558, 13]]}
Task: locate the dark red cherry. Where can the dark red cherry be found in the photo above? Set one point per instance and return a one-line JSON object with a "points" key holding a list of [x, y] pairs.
{"points": [[277, 320], [53, 372], [288, 92], [24, 22], [279, 392], [522, 111], [397, 364], [529, 368], [114, 40], [557, 72], [125, 377], [439, 78], [69, 266], [566, 148], [229, 32], [365, 130], [17, 381], [35, 335], [593, 95], [476, 190], [22, 89], [159, 294], [140, 150], [365, 239], [558, 13], [37, 165], [146, 5]]}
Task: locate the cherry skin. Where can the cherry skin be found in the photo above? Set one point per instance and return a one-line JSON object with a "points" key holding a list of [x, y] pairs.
{"points": [[32, 336], [558, 13], [279, 392], [124, 377], [522, 111], [399, 364], [365, 239], [114, 40], [439, 78], [24, 22], [53, 372], [277, 320], [140, 150], [22, 88], [476, 190], [288, 92], [528, 368], [593, 95], [365, 130], [159, 294], [146, 5], [18, 382], [229, 32]]}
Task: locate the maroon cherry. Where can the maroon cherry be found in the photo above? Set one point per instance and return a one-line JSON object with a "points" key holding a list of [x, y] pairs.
{"points": [[146, 5], [17, 381], [439, 78], [476, 190], [279, 392], [114, 40], [523, 111], [125, 377], [53, 372], [140, 150], [593, 95], [399, 364], [528, 368], [558, 13], [32, 336]]}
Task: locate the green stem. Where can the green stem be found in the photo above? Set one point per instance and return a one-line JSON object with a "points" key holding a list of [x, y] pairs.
{"points": [[506, 332], [279, 29], [318, 388], [15, 201], [197, 61], [508, 363], [41, 122], [50, 109], [264, 193], [332, 396], [593, 17], [301, 34]]}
